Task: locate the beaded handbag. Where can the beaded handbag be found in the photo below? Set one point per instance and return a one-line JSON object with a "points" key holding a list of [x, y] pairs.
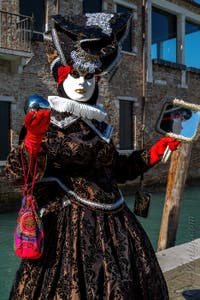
{"points": [[29, 232]]}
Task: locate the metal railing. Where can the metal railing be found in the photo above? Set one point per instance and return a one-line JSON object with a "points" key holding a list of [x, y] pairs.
{"points": [[15, 32]]}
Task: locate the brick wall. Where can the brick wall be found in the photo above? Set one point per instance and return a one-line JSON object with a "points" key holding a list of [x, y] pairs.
{"points": [[10, 6]]}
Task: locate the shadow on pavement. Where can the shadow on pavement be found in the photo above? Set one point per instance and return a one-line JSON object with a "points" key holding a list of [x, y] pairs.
{"points": [[191, 294]]}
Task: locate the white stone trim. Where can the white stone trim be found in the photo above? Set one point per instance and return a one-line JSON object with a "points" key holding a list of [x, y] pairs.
{"points": [[125, 3], [148, 35], [7, 98], [127, 98], [174, 257], [134, 49], [46, 25], [18, 59], [13, 54], [104, 6], [176, 9], [124, 152], [47, 16], [2, 163], [160, 82], [183, 84]]}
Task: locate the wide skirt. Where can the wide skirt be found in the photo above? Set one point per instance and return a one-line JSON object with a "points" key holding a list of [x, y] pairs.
{"points": [[91, 255]]}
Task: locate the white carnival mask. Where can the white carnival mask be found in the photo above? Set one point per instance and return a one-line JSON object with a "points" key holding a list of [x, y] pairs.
{"points": [[79, 86]]}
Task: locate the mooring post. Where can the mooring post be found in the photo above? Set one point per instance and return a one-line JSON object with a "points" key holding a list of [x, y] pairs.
{"points": [[174, 193]]}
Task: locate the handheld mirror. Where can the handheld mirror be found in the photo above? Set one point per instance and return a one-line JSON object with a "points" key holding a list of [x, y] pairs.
{"points": [[179, 119]]}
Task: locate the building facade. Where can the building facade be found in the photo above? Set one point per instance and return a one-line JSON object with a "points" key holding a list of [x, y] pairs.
{"points": [[159, 61]]}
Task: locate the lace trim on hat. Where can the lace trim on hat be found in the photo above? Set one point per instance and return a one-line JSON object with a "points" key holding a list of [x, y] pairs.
{"points": [[101, 20], [78, 109], [81, 61]]}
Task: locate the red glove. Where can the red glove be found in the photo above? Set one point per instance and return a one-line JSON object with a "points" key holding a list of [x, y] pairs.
{"points": [[157, 150], [36, 124]]}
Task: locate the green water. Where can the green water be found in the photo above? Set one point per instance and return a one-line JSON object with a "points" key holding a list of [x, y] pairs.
{"points": [[189, 229], [8, 260]]}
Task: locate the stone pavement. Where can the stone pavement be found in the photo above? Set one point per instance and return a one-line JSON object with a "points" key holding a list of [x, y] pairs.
{"points": [[184, 281], [181, 267]]}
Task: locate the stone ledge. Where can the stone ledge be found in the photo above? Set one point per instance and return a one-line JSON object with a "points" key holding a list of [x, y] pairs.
{"points": [[169, 64], [173, 65], [193, 70], [193, 3], [177, 256]]}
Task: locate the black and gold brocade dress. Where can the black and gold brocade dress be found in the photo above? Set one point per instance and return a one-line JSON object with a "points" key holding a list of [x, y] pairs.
{"points": [[94, 246]]}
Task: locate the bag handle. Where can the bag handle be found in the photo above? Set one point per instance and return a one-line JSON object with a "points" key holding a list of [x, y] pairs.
{"points": [[26, 189]]}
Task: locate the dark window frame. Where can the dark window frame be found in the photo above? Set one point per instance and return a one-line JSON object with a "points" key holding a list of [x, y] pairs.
{"points": [[126, 125], [194, 27], [37, 10], [127, 44], [92, 6], [5, 125], [173, 33]]}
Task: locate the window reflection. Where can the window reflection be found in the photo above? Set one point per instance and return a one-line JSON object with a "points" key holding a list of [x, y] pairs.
{"points": [[192, 45], [164, 35], [127, 43]]}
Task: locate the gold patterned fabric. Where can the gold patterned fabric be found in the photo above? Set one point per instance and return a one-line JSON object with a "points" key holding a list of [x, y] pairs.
{"points": [[88, 253]]}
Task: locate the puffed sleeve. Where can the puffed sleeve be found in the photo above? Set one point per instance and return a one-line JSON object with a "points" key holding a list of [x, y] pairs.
{"points": [[20, 162], [129, 167]]}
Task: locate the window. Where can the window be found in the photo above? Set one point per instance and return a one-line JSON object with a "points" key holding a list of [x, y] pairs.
{"points": [[164, 35], [92, 6], [127, 44], [126, 125], [35, 8], [5, 129], [192, 45], [173, 35]]}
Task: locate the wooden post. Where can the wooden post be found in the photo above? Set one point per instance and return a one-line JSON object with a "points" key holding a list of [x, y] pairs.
{"points": [[176, 180]]}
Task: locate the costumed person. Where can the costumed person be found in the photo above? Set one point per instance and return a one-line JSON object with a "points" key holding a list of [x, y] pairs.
{"points": [[94, 247]]}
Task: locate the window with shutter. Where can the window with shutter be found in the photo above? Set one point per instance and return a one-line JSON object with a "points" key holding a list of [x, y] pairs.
{"points": [[126, 125], [92, 6], [164, 35], [127, 44], [35, 8]]}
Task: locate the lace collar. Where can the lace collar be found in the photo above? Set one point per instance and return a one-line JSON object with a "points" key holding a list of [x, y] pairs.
{"points": [[77, 109]]}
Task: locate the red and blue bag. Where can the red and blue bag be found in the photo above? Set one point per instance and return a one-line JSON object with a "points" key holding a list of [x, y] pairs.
{"points": [[29, 233]]}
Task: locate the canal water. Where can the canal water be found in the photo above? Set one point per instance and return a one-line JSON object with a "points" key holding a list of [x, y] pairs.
{"points": [[189, 229]]}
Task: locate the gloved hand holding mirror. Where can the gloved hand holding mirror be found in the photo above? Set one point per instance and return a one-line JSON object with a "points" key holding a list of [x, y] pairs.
{"points": [[179, 119]]}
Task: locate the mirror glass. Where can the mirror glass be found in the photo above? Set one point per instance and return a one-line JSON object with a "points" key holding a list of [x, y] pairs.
{"points": [[179, 119]]}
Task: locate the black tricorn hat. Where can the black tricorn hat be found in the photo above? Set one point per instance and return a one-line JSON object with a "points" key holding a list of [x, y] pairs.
{"points": [[92, 42]]}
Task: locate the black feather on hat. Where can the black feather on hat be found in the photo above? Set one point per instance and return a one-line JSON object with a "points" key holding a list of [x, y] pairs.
{"points": [[93, 43]]}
